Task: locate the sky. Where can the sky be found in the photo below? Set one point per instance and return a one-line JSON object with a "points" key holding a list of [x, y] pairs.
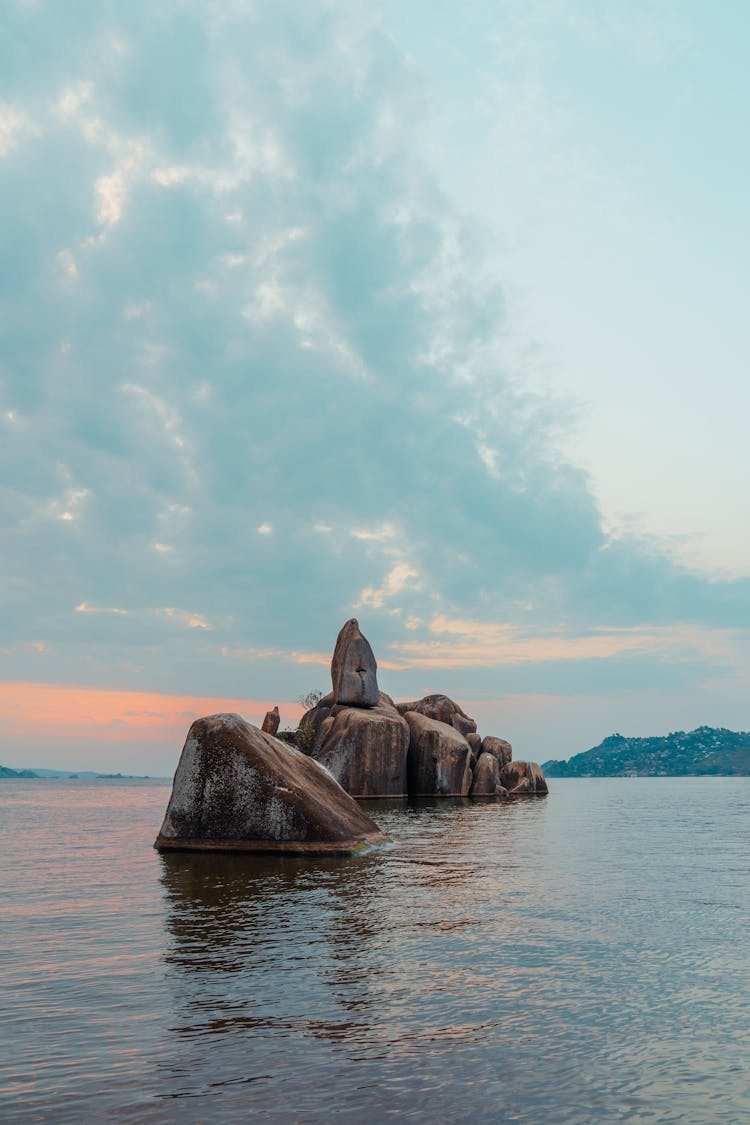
{"points": [[428, 314]]}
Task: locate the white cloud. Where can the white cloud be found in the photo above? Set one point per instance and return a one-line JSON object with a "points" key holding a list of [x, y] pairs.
{"points": [[111, 192], [398, 579], [67, 263], [166, 416], [481, 644], [84, 607], [72, 98], [268, 301], [14, 123], [137, 310], [68, 508], [183, 617], [293, 657], [168, 176], [384, 533], [192, 620], [280, 326]]}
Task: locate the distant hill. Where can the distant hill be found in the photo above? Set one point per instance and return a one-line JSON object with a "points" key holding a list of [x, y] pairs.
{"points": [[81, 775], [704, 752], [5, 771]]}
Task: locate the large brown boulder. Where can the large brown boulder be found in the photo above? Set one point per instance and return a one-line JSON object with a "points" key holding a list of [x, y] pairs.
{"points": [[312, 720], [499, 748], [238, 789], [443, 709], [354, 668], [438, 762], [523, 779], [365, 750]]}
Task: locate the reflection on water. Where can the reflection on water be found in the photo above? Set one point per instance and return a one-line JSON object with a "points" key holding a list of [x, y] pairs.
{"points": [[577, 959]]}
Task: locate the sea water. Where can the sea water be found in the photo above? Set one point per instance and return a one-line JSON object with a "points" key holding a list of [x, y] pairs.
{"points": [[579, 958]]}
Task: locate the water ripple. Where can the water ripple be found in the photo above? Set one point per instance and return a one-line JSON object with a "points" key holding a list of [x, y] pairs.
{"points": [[580, 959]]}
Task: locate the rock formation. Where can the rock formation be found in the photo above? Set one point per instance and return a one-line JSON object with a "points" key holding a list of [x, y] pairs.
{"points": [[354, 669], [439, 758], [377, 748], [443, 709], [271, 721], [239, 789]]}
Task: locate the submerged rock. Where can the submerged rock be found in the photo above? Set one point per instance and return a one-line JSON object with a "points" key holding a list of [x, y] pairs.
{"points": [[239, 789], [443, 709], [523, 779], [438, 762], [354, 668]]}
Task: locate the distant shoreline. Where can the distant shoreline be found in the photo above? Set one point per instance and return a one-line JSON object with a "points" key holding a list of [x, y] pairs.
{"points": [[703, 752], [7, 773]]}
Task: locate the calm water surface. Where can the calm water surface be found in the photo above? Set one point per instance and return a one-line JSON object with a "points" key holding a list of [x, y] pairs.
{"points": [[583, 958]]}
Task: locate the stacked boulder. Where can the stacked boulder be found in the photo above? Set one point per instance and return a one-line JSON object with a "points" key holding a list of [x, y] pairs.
{"points": [[355, 731], [424, 748]]}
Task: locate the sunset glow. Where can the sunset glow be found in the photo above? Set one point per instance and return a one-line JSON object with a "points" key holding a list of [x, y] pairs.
{"points": [[109, 716]]}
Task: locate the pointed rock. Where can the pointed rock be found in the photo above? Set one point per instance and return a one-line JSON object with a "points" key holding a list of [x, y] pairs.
{"points": [[354, 668], [271, 721], [238, 789]]}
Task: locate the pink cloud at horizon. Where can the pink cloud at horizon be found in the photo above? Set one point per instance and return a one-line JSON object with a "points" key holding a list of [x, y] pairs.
{"points": [[111, 715]]}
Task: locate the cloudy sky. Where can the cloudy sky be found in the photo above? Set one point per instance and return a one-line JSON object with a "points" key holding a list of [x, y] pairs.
{"points": [[432, 314]]}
